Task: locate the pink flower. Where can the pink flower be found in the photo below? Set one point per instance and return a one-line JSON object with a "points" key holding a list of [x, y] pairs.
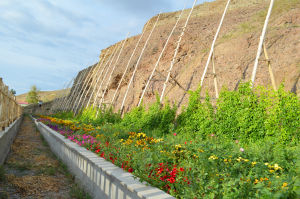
{"points": [[174, 134], [237, 141], [242, 149]]}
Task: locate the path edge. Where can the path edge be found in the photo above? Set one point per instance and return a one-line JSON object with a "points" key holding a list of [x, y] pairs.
{"points": [[98, 177], [7, 137]]}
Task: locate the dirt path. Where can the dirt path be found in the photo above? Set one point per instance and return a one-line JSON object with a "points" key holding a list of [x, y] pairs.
{"points": [[31, 170]]}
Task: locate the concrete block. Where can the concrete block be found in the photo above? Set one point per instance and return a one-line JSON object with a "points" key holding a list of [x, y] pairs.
{"points": [[100, 178], [7, 137]]}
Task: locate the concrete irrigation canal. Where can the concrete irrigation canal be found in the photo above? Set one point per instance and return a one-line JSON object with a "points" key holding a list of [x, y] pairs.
{"points": [[31, 170]]}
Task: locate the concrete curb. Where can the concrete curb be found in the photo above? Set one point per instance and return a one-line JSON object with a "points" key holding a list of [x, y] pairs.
{"points": [[98, 177], [7, 137]]}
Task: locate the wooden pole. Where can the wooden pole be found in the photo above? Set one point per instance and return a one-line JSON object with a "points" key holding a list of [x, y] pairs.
{"points": [[270, 68], [81, 91], [128, 63], [160, 56], [76, 86], [213, 43], [88, 91], [137, 64], [110, 62], [175, 53], [84, 91], [98, 78], [110, 76], [261, 41], [64, 99], [215, 76]]}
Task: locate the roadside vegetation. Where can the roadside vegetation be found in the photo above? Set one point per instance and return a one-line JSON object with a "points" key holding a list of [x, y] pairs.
{"points": [[245, 145]]}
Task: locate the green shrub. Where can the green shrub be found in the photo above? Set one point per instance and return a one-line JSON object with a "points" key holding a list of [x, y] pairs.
{"points": [[246, 114], [157, 117]]}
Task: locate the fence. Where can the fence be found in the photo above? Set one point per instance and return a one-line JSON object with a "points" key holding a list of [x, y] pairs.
{"points": [[9, 108]]}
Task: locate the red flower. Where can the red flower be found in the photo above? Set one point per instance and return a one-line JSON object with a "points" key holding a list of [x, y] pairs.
{"points": [[174, 134], [130, 170], [102, 155], [181, 169], [171, 180]]}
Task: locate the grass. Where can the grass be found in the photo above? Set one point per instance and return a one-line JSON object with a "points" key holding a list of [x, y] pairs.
{"points": [[78, 193], [256, 21], [2, 174], [20, 166]]}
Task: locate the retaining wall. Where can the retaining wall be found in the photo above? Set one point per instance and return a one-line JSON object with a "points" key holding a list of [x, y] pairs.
{"points": [[7, 137], [100, 178]]}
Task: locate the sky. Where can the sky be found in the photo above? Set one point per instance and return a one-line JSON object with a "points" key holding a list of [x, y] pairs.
{"points": [[46, 42]]}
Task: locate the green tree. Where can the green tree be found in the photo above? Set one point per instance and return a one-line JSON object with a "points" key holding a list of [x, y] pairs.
{"points": [[32, 96], [13, 91]]}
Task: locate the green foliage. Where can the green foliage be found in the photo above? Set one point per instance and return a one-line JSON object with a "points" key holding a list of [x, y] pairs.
{"points": [[157, 117], [32, 96], [245, 114], [244, 145], [2, 174]]}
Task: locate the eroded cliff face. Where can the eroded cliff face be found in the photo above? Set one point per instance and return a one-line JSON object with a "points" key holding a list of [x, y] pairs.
{"points": [[234, 53]]}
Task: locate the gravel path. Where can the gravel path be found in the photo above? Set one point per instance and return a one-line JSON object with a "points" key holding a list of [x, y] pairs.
{"points": [[31, 170]]}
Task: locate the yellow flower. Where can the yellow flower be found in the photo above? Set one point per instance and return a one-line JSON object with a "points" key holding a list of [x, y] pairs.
{"points": [[276, 167], [256, 181], [213, 157], [284, 185], [271, 170], [253, 163], [277, 177]]}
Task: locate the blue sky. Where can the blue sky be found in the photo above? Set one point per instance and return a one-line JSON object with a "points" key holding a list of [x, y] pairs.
{"points": [[46, 42]]}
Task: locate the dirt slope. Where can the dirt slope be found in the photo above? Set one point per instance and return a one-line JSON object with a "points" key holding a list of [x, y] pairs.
{"points": [[235, 50]]}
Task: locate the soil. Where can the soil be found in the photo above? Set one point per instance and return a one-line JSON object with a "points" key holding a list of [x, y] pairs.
{"points": [[33, 171]]}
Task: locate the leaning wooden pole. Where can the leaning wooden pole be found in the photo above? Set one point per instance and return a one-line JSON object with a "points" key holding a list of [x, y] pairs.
{"points": [[73, 96], [79, 104], [270, 69], [81, 91], [67, 94], [113, 69], [105, 74], [175, 53], [215, 76], [88, 91], [213, 43], [59, 100], [160, 56], [56, 101], [98, 78], [137, 64], [261, 41], [128, 63]]}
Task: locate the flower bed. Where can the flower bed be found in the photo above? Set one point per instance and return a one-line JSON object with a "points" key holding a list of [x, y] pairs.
{"points": [[190, 167]]}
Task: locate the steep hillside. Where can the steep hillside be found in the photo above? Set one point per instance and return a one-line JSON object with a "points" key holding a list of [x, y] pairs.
{"points": [[235, 51]]}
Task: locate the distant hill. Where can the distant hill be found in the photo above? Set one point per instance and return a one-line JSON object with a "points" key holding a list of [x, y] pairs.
{"points": [[45, 96]]}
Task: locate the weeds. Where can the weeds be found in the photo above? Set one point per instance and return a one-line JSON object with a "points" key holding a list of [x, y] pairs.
{"points": [[78, 193], [2, 174]]}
